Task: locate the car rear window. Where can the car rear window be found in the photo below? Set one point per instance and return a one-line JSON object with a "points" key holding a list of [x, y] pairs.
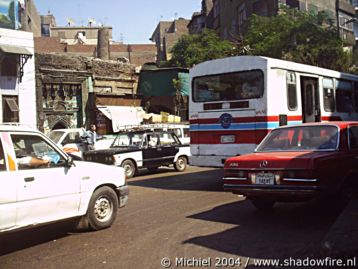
{"points": [[301, 138]]}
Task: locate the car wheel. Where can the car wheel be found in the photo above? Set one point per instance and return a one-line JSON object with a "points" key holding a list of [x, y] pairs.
{"points": [[262, 204], [153, 169], [102, 209], [181, 164], [129, 168]]}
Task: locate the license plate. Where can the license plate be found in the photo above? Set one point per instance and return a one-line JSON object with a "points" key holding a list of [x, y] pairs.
{"points": [[265, 179], [227, 139]]}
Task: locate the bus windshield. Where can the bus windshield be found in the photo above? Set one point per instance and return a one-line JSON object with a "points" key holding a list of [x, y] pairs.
{"points": [[230, 86]]}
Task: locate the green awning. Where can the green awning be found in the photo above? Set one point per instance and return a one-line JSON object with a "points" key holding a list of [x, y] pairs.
{"points": [[15, 50]]}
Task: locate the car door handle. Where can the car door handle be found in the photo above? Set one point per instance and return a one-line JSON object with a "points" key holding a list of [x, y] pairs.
{"points": [[29, 179], [159, 149], [356, 157]]}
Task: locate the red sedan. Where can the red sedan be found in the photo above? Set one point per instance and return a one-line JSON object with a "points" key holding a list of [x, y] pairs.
{"points": [[312, 160]]}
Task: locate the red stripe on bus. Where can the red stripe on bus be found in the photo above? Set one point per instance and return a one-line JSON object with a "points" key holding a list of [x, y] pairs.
{"points": [[241, 137], [246, 119], [331, 118]]}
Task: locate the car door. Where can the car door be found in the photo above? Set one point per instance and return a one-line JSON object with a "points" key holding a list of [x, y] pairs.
{"points": [[152, 152], [8, 192], [44, 193], [169, 145]]}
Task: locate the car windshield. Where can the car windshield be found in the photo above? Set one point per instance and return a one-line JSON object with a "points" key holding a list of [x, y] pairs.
{"points": [[128, 140], [301, 138], [55, 136]]}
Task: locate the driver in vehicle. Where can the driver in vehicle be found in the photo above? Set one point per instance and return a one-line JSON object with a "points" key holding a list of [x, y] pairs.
{"points": [[32, 162]]}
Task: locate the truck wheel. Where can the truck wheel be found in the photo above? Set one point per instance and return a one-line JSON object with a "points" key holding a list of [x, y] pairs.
{"points": [[180, 164], [262, 204], [129, 168], [102, 209]]}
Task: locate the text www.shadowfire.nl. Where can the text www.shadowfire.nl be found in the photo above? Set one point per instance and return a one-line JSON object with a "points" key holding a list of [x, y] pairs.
{"points": [[225, 262]]}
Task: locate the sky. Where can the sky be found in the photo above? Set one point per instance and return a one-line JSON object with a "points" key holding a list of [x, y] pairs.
{"points": [[4, 6], [132, 21]]}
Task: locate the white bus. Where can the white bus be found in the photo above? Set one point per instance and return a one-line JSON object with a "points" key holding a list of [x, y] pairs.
{"points": [[236, 101]]}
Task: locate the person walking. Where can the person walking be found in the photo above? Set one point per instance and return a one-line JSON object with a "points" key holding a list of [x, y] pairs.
{"points": [[91, 137]]}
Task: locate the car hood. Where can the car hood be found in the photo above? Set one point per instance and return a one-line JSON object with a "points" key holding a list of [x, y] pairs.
{"points": [[100, 172], [277, 160]]}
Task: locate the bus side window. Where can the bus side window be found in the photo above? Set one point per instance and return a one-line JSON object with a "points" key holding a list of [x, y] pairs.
{"points": [[291, 91], [328, 95], [344, 96]]}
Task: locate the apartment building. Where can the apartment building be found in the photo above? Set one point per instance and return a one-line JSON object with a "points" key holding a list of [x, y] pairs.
{"points": [[230, 18]]}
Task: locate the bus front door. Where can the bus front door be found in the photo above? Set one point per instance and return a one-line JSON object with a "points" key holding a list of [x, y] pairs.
{"points": [[310, 100]]}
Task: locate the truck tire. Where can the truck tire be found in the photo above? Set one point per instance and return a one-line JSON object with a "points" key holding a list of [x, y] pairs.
{"points": [[102, 208]]}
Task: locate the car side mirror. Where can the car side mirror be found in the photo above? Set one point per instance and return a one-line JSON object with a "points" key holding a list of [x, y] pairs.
{"points": [[69, 161]]}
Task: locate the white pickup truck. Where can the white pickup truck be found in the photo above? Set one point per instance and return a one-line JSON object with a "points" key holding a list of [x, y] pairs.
{"points": [[60, 188]]}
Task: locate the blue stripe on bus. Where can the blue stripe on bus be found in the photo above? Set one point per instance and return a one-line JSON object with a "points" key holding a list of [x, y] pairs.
{"points": [[239, 126]]}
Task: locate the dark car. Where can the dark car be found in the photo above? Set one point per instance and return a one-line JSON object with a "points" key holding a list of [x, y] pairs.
{"points": [[133, 150], [316, 160]]}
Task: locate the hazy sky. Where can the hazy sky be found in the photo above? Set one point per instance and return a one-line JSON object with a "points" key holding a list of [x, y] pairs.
{"points": [[133, 21]]}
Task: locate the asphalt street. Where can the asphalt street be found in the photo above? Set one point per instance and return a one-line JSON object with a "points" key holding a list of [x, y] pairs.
{"points": [[174, 217]]}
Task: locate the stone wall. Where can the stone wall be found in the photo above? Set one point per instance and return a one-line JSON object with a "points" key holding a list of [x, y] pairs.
{"points": [[93, 77]]}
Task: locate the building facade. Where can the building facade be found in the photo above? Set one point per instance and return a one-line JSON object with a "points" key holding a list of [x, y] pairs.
{"points": [[17, 77], [70, 89], [166, 34], [72, 35], [30, 20], [231, 18]]}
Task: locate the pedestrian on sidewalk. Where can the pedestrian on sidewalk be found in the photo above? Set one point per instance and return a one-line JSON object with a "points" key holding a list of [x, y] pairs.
{"points": [[90, 137]]}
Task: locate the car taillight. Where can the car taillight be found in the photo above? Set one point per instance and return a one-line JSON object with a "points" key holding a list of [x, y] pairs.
{"points": [[304, 174], [232, 173]]}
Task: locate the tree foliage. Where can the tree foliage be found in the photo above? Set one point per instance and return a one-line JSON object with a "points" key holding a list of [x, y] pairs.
{"points": [[193, 49], [298, 36]]}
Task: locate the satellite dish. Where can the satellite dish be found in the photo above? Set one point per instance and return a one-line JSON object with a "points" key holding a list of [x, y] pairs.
{"points": [[70, 22], [91, 21]]}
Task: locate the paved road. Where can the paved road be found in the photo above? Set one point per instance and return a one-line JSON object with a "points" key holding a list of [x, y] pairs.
{"points": [[173, 215]]}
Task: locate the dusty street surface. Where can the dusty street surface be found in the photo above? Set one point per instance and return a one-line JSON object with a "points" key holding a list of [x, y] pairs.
{"points": [[174, 215]]}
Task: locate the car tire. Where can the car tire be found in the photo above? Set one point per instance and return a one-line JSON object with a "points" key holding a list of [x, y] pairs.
{"points": [[181, 164], [102, 209], [129, 168], [262, 204]]}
